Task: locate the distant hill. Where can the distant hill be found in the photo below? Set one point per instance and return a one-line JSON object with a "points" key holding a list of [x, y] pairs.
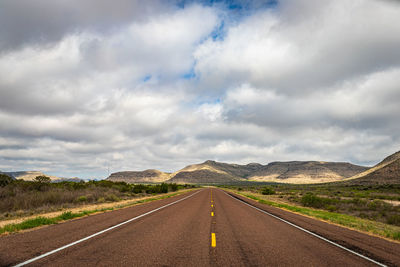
{"points": [[202, 177], [301, 172], [209, 172], [385, 172], [30, 175], [212, 172], [147, 176]]}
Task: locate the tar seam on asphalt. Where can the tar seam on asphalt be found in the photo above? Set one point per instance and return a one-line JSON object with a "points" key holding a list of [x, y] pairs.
{"points": [[309, 232], [101, 232]]}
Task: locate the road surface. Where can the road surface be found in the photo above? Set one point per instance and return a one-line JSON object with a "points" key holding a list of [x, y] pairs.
{"points": [[207, 227]]}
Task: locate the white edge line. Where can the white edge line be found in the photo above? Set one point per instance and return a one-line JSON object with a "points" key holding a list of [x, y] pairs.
{"points": [[101, 232], [309, 232]]}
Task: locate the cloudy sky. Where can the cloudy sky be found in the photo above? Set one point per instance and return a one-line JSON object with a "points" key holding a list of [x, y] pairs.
{"points": [[130, 84]]}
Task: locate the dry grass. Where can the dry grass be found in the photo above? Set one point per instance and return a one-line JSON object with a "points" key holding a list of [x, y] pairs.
{"points": [[388, 231], [29, 222], [24, 198]]}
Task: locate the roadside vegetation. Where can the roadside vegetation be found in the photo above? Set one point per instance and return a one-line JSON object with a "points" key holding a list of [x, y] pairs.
{"points": [[40, 220], [371, 208], [20, 198]]}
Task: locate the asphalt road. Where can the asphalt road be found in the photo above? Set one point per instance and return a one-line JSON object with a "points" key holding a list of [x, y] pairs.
{"points": [[205, 228]]}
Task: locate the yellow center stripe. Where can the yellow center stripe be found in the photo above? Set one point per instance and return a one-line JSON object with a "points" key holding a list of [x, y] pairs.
{"points": [[213, 240], [212, 213]]}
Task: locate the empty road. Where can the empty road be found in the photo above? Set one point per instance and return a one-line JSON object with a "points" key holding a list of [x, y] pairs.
{"points": [[207, 227]]}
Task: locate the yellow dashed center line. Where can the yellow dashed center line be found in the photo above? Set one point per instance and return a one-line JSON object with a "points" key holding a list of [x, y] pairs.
{"points": [[213, 240]]}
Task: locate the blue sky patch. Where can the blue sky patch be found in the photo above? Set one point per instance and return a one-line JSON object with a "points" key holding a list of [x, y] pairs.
{"points": [[146, 78], [189, 75]]}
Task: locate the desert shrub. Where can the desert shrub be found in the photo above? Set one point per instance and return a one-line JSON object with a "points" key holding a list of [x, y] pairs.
{"points": [[124, 188], [5, 179], [81, 199], [164, 188], [267, 191], [25, 197], [173, 187], [42, 179], [358, 202], [104, 183], [394, 219], [376, 205], [112, 198], [331, 208], [311, 200], [139, 188], [76, 186], [157, 189]]}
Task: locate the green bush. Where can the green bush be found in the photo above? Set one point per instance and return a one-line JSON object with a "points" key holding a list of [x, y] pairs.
{"points": [[66, 215], [124, 188], [42, 179], [5, 179], [112, 198], [164, 188], [311, 200], [173, 187], [81, 199], [139, 188], [76, 186], [376, 205], [157, 189], [267, 191], [331, 208], [394, 219]]}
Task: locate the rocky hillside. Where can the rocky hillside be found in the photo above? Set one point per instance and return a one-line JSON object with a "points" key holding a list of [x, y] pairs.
{"points": [[234, 170], [385, 172], [29, 175], [300, 172], [147, 176], [212, 172], [202, 177]]}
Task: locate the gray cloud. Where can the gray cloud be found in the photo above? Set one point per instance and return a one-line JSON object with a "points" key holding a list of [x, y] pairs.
{"points": [[40, 21], [307, 45], [130, 86]]}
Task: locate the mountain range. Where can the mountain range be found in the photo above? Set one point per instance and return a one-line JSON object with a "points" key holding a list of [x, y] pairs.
{"points": [[385, 172], [296, 172], [30, 175]]}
